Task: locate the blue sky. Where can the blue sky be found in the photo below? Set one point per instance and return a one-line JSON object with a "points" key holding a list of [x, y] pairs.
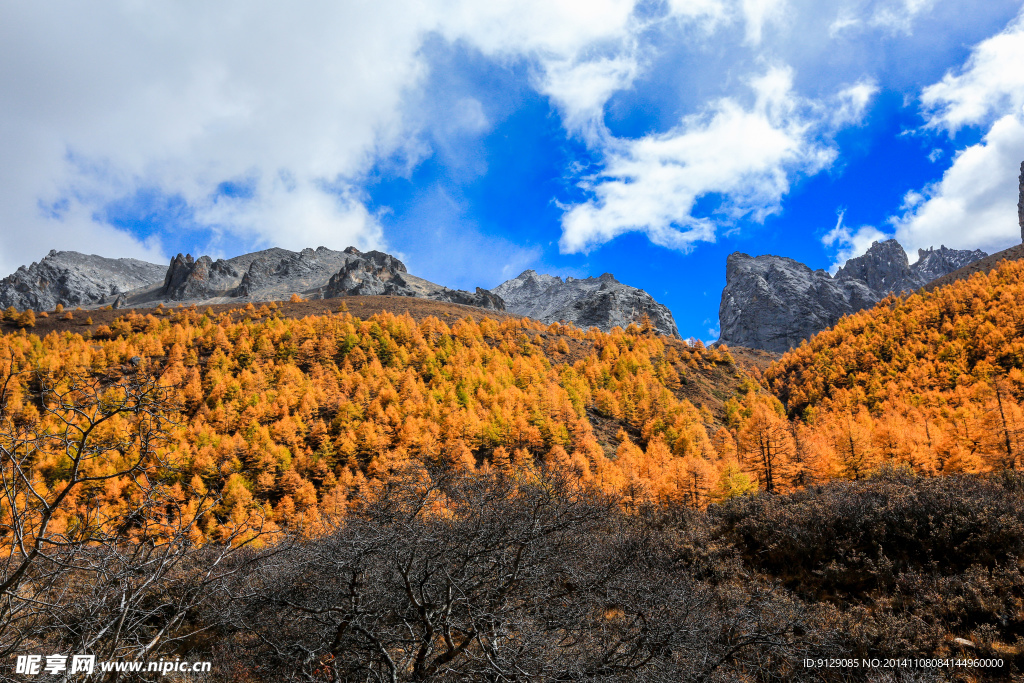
{"points": [[648, 139]]}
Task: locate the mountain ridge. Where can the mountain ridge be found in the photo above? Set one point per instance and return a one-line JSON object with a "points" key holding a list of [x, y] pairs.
{"points": [[73, 279], [277, 274], [601, 302], [773, 302]]}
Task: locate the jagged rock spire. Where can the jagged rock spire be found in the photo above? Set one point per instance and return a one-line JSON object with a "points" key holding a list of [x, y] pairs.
{"points": [[1020, 202], [773, 303]]}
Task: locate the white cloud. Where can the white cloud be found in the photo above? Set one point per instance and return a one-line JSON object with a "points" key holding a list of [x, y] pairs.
{"points": [[313, 216], [852, 102], [104, 101], [899, 16], [888, 16], [179, 97], [843, 21], [758, 14], [551, 29], [974, 205], [850, 243], [101, 102], [746, 154], [581, 70], [581, 49], [580, 90], [468, 115], [990, 84]]}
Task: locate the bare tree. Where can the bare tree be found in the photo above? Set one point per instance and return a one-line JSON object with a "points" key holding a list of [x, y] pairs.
{"points": [[506, 582], [116, 581]]}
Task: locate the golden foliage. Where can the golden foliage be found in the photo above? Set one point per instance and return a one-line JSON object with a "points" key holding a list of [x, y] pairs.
{"points": [[294, 417], [932, 381]]}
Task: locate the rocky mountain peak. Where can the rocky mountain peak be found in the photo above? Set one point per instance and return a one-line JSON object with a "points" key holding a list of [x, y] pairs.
{"points": [[773, 303], [273, 274], [74, 279], [934, 263], [1020, 201], [375, 272], [201, 278], [366, 274], [601, 302], [884, 267]]}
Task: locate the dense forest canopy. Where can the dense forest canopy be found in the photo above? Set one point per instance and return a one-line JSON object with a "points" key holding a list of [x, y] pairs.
{"points": [[932, 381], [312, 488], [291, 417], [294, 416]]}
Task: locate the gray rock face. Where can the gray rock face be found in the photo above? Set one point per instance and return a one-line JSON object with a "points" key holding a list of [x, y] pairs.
{"points": [[1020, 201], [276, 274], [371, 273], [884, 268], [270, 275], [74, 279], [934, 263], [378, 273], [198, 279], [774, 303], [481, 298], [601, 302]]}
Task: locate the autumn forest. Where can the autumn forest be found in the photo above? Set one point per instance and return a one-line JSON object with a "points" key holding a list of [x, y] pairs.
{"points": [[340, 497]]}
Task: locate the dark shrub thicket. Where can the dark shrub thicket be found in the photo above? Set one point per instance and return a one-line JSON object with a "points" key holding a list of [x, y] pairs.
{"points": [[847, 537], [488, 578], [900, 564], [516, 581]]}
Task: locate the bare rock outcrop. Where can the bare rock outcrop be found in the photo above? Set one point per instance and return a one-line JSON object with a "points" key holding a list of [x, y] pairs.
{"points": [[934, 263], [481, 298], [203, 278], [73, 279], [601, 302], [884, 268], [275, 274], [375, 272], [268, 275], [774, 303], [1020, 201]]}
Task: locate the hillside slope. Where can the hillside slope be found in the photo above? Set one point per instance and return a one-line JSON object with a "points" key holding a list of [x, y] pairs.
{"points": [[456, 448], [933, 381], [301, 405]]}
